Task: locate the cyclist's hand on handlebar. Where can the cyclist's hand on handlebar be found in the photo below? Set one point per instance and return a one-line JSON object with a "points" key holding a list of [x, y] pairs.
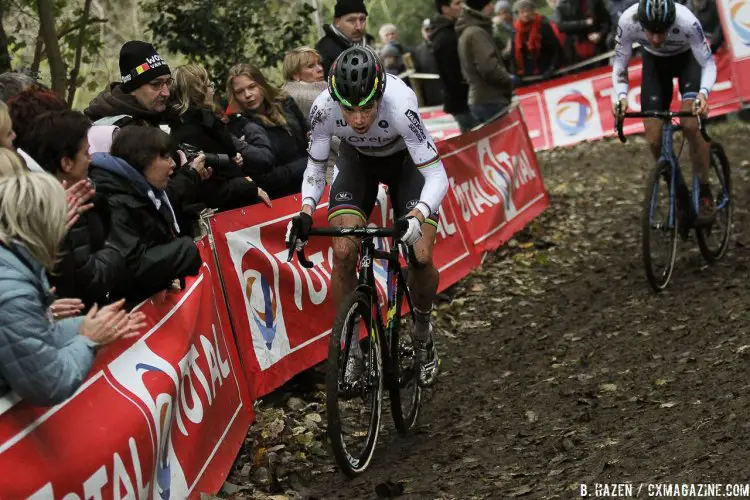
{"points": [[700, 105], [298, 230], [619, 107], [413, 231]]}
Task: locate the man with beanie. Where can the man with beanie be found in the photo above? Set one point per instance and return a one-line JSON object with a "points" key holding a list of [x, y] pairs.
{"points": [[445, 46], [142, 92], [348, 29], [490, 84]]}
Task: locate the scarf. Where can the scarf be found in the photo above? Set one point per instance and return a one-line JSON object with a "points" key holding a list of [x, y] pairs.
{"points": [[528, 36]]}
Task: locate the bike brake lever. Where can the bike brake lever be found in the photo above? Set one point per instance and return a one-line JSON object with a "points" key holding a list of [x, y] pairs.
{"points": [[303, 260]]}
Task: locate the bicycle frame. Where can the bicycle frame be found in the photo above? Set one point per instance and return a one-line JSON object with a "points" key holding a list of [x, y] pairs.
{"points": [[677, 185], [368, 254]]}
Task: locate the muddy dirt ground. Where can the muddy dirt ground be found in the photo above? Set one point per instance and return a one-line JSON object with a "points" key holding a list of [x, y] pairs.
{"points": [[561, 367]]}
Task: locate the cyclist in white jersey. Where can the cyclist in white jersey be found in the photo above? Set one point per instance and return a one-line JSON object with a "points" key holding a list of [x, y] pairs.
{"points": [[674, 47], [383, 140]]}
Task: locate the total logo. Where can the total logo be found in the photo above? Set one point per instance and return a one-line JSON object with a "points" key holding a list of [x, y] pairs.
{"points": [[739, 13], [573, 112], [262, 302]]}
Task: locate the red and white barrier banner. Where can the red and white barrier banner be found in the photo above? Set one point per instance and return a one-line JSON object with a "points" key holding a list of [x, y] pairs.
{"points": [[283, 312], [577, 108], [735, 20], [161, 416], [495, 180]]}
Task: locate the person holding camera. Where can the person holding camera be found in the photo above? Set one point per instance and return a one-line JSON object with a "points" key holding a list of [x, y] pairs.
{"points": [[144, 227], [199, 129]]}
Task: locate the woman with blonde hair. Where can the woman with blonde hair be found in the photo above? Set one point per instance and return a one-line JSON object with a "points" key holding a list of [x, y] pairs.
{"points": [[303, 72], [6, 128], [199, 125], [10, 163], [252, 100], [44, 361]]}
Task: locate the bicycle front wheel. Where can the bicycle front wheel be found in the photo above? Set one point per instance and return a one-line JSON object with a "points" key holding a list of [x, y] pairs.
{"points": [[405, 391], [354, 386], [713, 240], [659, 226]]}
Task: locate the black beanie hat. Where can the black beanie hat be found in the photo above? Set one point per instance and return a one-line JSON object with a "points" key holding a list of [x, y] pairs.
{"points": [[344, 7], [139, 64], [477, 4]]}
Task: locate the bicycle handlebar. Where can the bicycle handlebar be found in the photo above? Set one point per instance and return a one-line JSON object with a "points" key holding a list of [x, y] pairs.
{"points": [[661, 115], [397, 231]]}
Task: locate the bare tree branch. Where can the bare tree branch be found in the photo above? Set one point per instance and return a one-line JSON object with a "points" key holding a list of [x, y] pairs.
{"points": [[73, 83]]}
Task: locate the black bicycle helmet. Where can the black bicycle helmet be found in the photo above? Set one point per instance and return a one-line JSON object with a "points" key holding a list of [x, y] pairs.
{"points": [[356, 77], [656, 16]]}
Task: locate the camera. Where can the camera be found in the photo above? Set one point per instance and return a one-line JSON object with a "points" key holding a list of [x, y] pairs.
{"points": [[212, 160]]}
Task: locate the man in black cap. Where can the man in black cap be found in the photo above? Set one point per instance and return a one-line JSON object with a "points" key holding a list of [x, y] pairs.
{"points": [[348, 28], [141, 95]]}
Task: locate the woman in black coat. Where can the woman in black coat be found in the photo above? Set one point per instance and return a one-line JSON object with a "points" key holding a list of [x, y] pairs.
{"points": [[89, 267], [252, 101], [199, 126], [144, 227]]}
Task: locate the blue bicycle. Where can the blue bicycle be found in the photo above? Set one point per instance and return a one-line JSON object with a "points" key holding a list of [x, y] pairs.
{"points": [[670, 208]]}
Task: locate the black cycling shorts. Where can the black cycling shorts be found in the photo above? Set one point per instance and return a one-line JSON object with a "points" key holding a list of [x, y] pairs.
{"points": [[658, 73], [355, 187]]}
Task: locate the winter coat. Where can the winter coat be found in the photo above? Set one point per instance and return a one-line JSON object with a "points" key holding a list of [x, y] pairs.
{"points": [[89, 266], [304, 93], [571, 19], [149, 238], [112, 101], [334, 43], [445, 46], [42, 360], [289, 146], [228, 186], [424, 62], [481, 60]]}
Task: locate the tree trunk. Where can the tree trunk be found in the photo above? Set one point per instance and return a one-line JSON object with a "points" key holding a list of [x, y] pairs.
{"points": [[73, 84], [5, 60], [38, 54], [46, 10]]}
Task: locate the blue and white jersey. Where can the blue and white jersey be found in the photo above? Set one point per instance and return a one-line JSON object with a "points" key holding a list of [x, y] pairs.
{"points": [[685, 34]]}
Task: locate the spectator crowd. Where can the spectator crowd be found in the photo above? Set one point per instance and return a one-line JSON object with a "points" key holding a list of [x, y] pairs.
{"points": [[98, 209]]}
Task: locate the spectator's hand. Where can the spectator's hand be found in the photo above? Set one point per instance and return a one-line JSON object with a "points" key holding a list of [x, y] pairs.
{"points": [[298, 230], [110, 323], [78, 196], [619, 107], [594, 37], [66, 308], [700, 105], [516, 80], [183, 158], [199, 165], [238, 160], [590, 21], [264, 197]]}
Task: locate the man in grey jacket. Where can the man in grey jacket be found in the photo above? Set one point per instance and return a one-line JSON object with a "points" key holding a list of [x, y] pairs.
{"points": [[490, 84]]}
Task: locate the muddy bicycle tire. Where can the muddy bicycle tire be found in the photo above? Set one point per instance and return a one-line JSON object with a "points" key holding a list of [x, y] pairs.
{"points": [[404, 405], [356, 303], [657, 280], [720, 163]]}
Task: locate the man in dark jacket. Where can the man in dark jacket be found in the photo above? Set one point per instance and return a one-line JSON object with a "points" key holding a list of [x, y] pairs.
{"points": [[425, 62], [141, 95], [586, 24], [490, 84], [144, 226], [348, 28], [445, 46]]}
